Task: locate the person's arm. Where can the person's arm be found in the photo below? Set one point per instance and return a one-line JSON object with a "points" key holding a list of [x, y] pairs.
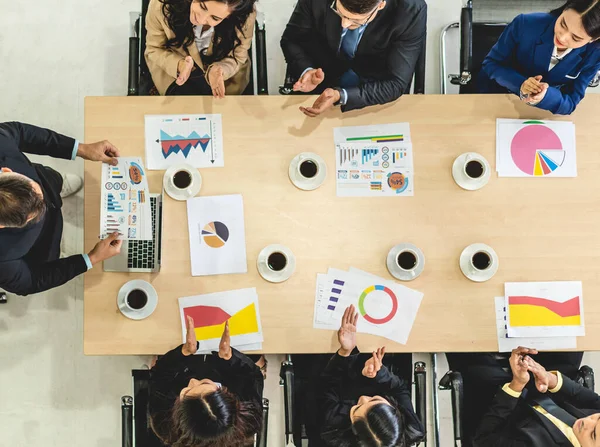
{"points": [[156, 40], [40, 141], [231, 65], [564, 101], [297, 37], [498, 64], [569, 391], [402, 60]]}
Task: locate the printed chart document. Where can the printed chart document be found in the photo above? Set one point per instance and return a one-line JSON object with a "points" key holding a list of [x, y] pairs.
{"points": [[533, 148], [217, 235], [374, 161], [125, 202], [193, 139]]}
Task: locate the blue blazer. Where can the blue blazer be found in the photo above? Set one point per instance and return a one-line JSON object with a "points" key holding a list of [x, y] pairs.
{"points": [[524, 50]]}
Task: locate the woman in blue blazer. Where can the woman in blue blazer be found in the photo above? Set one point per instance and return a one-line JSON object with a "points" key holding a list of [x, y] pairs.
{"points": [[547, 59]]}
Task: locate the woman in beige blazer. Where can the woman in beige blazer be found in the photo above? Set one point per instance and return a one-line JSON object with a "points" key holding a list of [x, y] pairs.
{"points": [[199, 47]]}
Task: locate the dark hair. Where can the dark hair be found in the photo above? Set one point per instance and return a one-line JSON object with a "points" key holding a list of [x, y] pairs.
{"points": [[360, 6], [590, 14], [384, 426], [217, 419], [19, 201], [225, 38]]}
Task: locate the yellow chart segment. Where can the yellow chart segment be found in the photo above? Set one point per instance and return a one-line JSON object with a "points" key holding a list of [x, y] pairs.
{"points": [[242, 322], [524, 315]]}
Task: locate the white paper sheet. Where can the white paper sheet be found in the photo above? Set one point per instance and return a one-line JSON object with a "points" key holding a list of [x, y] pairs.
{"points": [[125, 201], [193, 139], [217, 235], [506, 344], [545, 309], [239, 307], [533, 148]]}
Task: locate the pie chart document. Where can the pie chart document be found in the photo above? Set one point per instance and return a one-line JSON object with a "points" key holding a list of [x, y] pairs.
{"points": [[217, 235], [533, 148]]}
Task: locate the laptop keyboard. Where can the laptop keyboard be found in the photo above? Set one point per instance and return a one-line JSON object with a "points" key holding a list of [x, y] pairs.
{"points": [[141, 253]]}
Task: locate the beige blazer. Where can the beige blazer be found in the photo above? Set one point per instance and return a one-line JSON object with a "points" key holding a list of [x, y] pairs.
{"points": [[163, 62]]}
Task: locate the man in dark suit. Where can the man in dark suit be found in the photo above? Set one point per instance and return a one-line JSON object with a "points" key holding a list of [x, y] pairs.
{"points": [[355, 53], [555, 412], [30, 209]]}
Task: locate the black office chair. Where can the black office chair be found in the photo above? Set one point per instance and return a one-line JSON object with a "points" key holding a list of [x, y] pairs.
{"points": [[299, 376], [453, 381], [135, 425], [476, 41], [140, 81], [418, 78]]}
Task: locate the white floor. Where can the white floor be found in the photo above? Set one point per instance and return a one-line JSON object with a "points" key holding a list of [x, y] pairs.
{"points": [[53, 54]]}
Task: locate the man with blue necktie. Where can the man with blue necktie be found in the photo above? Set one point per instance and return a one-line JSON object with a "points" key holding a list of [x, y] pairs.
{"points": [[355, 53]]}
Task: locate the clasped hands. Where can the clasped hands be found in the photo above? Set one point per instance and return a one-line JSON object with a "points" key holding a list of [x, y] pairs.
{"points": [[347, 339], [522, 364], [534, 90], [307, 83]]}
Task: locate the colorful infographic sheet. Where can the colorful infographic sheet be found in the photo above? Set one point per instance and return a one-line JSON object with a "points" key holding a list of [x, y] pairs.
{"points": [[533, 148], [193, 139], [211, 311], [125, 203], [374, 161]]}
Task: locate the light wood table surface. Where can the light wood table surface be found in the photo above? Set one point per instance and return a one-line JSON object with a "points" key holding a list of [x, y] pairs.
{"points": [[542, 229]]}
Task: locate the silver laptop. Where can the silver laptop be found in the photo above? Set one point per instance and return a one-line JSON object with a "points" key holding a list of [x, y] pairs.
{"points": [[141, 256]]}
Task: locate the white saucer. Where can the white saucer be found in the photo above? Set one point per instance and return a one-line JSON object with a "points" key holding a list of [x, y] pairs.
{"points": [[304, 183], [182, 194], [462, 179], [470, 271], [145, 311], [398, 272], [273, 275]]}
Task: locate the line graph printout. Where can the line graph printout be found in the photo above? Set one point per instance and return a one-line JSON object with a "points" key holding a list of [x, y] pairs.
{"points": [[193, 139]]}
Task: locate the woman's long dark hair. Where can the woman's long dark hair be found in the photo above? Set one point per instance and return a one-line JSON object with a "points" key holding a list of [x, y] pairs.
{"points": [[384, 426], [217, 419], [225, 38], [590, 14]]}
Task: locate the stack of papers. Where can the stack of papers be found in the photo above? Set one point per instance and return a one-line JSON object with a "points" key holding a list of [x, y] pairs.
{"points": [[533, 148], [385, 308], [211, 311], [374, 161], [540, 315]]}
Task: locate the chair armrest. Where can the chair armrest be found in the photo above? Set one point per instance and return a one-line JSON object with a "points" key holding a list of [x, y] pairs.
{"points": [[454, 381], [127, 421], [420, 373], [585, 377], [261, 438], [287, 380]]}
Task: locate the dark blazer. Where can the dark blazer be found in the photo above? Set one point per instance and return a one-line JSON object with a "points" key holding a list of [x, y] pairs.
{"points": [[174, 370], [512, 422], [386, 55], [343, 384], [524, 50], [29, 256]]}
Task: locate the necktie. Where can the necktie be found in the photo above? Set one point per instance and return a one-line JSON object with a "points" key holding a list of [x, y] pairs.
{"points": [[548, 404], [350, 42]]}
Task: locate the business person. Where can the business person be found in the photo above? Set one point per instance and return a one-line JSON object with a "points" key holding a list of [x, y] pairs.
{"points": [[201, 401], [30, 209], [354, 53], [552, 411], [484, 374], [547, 59], [363, 403], [199, 47]]}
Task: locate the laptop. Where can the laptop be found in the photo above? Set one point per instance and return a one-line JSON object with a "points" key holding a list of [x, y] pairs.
{"points": [[141, 256]]}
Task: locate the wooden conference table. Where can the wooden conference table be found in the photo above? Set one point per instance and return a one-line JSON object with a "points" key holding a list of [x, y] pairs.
{"points": [[542, 229]]}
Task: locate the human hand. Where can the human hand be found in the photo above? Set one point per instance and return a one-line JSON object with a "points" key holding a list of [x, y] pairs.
{"points": [[184, 68], [532, 86], [191, 344], [309, 80], [216, 81], [347, 331], [519, 368], [327, 99], [106, 248], [103, 151], [225, 343], [544, 380], [374, 364]]}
